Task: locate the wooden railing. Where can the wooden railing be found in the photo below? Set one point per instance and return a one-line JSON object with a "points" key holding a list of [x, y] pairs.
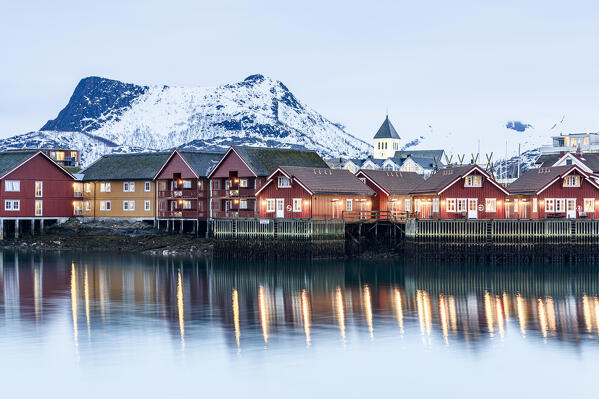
{"points": [[354, 216], [279, 229], [182, 214]]}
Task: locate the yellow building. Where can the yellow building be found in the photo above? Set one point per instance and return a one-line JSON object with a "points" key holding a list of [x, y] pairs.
{"points": [[122, 186], [386, 141]]}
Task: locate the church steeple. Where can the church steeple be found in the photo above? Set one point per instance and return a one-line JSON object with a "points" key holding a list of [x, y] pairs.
{"points": [[386, 140]]}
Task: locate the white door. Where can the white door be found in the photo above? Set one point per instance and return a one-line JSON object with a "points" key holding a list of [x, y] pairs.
{"points": [[571, 208], [280, 207], [472, 208]]}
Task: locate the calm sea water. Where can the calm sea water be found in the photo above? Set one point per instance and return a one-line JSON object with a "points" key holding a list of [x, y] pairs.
{"points": [[101, 325]]}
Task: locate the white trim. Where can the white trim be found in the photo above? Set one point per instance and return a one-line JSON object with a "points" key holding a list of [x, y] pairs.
{"points": [[225, 156], [176, 150], [575, 162], [474, 167], [270, 180], [574, 167], [33, 156], [372, 181]]}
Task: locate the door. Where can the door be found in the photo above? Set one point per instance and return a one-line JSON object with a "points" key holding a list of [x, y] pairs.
{"points": [[571, 208], [472, 208], [280, 207]]}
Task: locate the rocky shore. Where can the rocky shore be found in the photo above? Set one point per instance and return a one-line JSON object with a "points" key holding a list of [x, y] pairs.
{"points": [[113, 236]]}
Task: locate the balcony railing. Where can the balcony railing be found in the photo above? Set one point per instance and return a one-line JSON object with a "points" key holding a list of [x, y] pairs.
{"points": [[234, 214], [78, 193], [182, 193], [183, 214], [237, 192]]}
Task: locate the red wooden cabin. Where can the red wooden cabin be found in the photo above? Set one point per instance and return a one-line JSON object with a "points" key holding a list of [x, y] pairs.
{"points": [[244, 170], [183, 185], [35, 188], [458, 193], [302, 192], [554, 192], [392, 189]]}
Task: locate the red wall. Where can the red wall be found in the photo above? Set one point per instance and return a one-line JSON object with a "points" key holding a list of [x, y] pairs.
{"points": [[58, 191], [379, 202], [296, 191], [176, 165], [232, 162]]}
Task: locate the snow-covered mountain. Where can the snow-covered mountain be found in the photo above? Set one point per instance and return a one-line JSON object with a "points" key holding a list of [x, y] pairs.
{"points": [[105, 116]]}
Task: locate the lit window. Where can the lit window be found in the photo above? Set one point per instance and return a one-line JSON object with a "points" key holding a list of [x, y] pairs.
{"points": [[78, 189], [186, 204], [243, 204], [243, 183], [451, 205], [128, 205], [88, 187], [416, 205], [105, 205], [491, 205], [270, 205], [473, 181], [589, 205], [461, 205], [516, 205], [147, 205], [128, 187], [407, 204], [535, 205], [12, 185], [572, 181], [88, 206], [297, 205], [12, 205], [59, 156], [435, 204], [549, 205], [104, 187], [186, 183], [349, 205], [283, 182], [39, 188], [38, 208], [147, 187]]}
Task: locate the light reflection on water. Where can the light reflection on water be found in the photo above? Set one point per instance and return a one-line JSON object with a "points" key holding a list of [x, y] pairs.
{"points": [[115, 311]]}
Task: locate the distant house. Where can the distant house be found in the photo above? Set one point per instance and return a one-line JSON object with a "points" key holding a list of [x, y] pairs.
{"points": [[244, 170], [336, 163], [558, 191], [183, 185], [63, 157], [392, 189], [353, 164], [304, 192], [122, 186], [460, 192], [34, 189], [589, 162]]}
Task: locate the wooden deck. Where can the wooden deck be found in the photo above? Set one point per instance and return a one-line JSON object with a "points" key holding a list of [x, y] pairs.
{"points": [[279, 229]]}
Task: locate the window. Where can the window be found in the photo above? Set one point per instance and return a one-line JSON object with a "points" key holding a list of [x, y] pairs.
{"points": [[105, 205], [78, 189], [104, 187], [560, 205], [349, 205], [243, 183], [147, 187], [461, 205], [407, 205], [128, 187], [572, 181], [59, 155], [451, 205], [243, 204], [38, 208], [363, 180], [416, 205], [12, 205], [74, 154], [473, 181], [535, 205], [270, 205], [39, 188], [435, 204], [88, 187], [12, 185], [490, 205], [128, 205], [589, 205], [297, 205], [147, 205], [283, 182], [186, 204], [549, 205], [88, 206], [515, 205], [186, 183]]}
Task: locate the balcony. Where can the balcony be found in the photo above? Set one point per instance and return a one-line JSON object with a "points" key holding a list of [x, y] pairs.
{"points": [[183, 214], [182, 193], [234, 192], [235, 214]]}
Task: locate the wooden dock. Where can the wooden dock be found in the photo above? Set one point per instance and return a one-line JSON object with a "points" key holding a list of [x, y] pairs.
{"points": [[279, 229]]}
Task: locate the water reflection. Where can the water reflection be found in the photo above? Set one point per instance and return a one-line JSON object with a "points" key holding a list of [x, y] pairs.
{"points": [[258, 305]]}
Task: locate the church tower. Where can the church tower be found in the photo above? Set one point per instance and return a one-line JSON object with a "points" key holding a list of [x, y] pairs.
{"points": [[386, 141]]}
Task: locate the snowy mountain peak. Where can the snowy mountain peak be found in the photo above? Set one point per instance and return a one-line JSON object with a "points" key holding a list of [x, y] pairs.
{"points": [[105, 115]]}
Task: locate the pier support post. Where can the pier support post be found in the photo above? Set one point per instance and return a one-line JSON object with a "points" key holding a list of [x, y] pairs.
{"points": [[16, 228], [32, 227], [2, 229], [181, 226], [41, 227]]}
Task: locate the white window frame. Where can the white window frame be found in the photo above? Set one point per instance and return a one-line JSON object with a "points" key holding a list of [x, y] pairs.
{"points": [[88, 206], [147, 205], [450, 206], [105, 206], [591, 201], [243, 183], [128, 206], [9, 205], [88, 187], [128, 186], [417, 205], [491, 205], [461, 205], [349, 204], [515, 204], [535, 205], [572, 181], [186, 204], [41, 209], [270, 205], [243, 204], [473, 181], [436, 205], [560, 205], [147, 186], [549, 205], [39, 194], [186, 183], [297, 204], [12, 186], [283, 182], [105, 187], [407, 205]]}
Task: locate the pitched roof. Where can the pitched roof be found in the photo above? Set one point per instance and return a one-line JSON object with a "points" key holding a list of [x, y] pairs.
{"points": [[419, 154], [591, 160], [440, 179], [202, 162], [534, 180], [328, 181], [264, 161], [11, 159], [336, 162], [547, 159], [134, 166], [377, 162], [394, 183], [386, 131]]}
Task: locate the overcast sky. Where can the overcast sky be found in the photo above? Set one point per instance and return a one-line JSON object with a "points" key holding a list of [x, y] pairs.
{"points": [[467, 66]]}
